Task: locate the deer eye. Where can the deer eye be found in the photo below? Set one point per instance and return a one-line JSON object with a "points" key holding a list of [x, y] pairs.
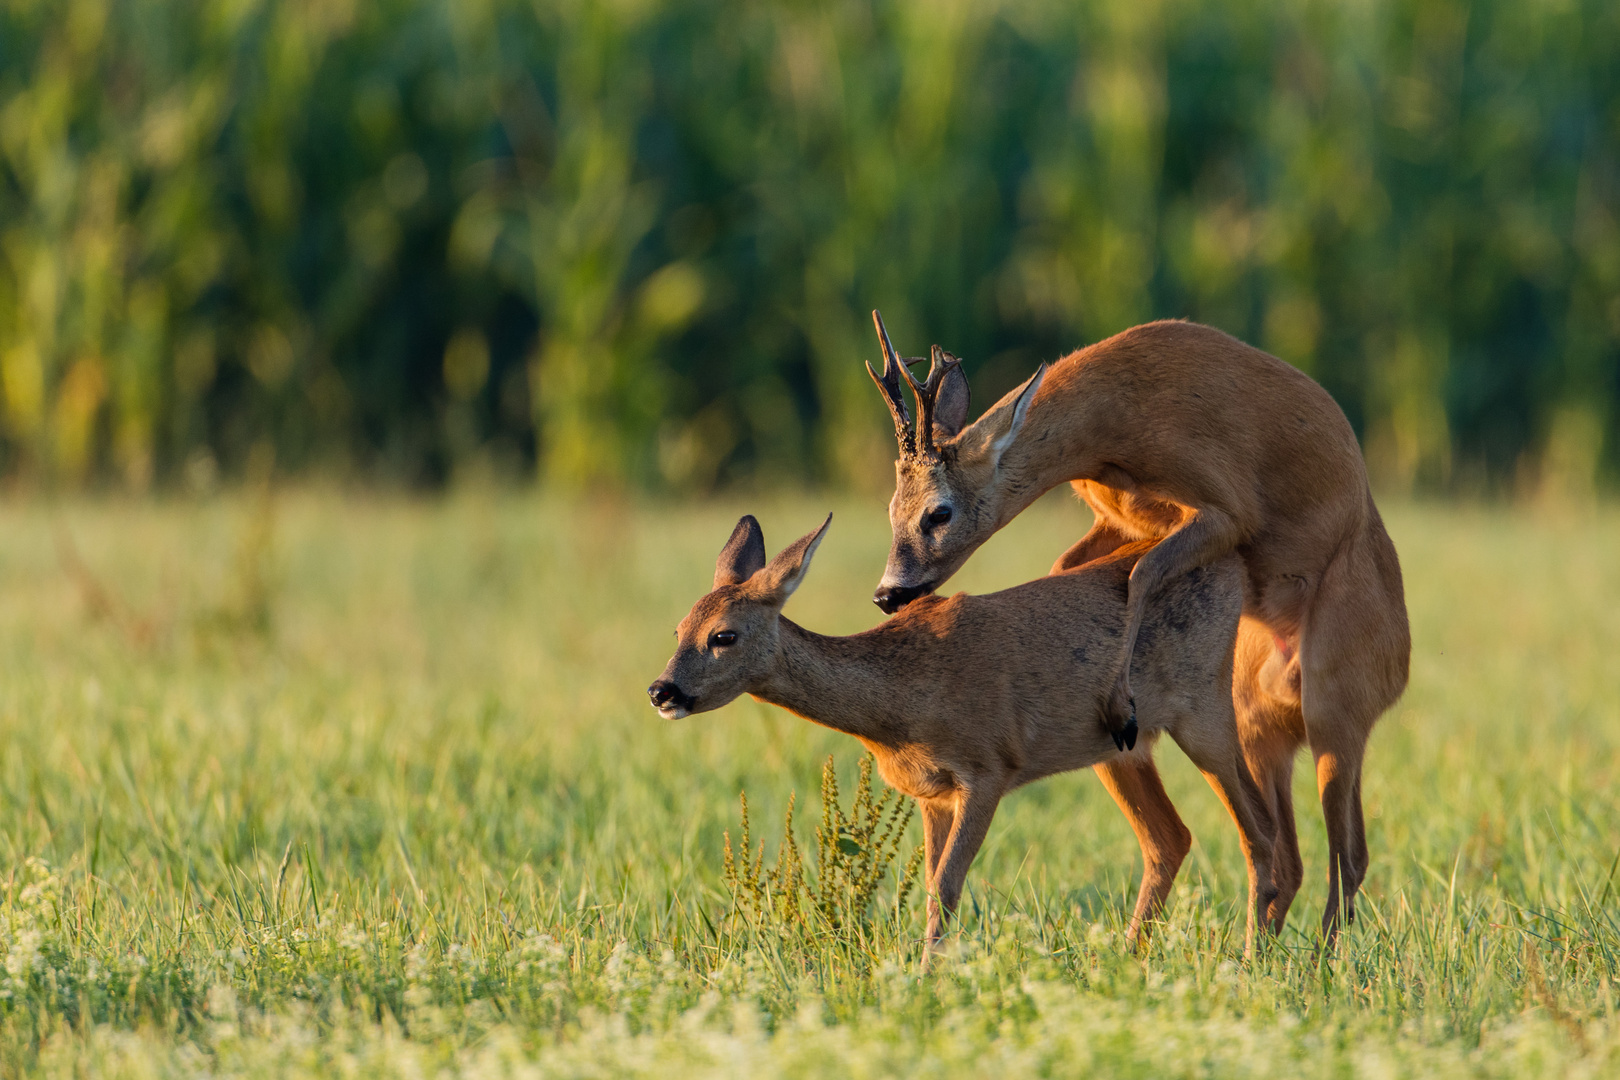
{"points": [[939, 515], [721, 639]]}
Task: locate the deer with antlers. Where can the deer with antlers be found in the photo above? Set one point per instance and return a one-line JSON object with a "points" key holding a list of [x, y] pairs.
{"points": [[1177, 432], [961, 700]]}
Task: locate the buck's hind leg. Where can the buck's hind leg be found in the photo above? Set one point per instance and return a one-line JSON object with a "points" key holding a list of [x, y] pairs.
{"points": [[1338, 783], [1354, 654], [1133, 781]]}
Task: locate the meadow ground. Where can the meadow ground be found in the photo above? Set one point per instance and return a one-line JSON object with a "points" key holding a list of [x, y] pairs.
{"points": [[358, 786]]}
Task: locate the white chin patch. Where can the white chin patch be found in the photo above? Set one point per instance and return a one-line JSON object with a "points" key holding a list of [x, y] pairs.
{"points": [[672, 712]]}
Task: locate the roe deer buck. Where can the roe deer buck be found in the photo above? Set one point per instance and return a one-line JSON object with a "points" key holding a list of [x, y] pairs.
{"points": [[1178, 432], [963, 699]]}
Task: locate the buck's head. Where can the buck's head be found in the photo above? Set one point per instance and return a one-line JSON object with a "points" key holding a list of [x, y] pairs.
{"points": [[728, 641], [948, 490]]}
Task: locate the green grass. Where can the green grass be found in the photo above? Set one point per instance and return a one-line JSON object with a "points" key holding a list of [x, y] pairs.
{"points": [[364, 786]]}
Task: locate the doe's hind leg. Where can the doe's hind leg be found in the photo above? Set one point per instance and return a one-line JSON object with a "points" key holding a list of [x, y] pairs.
{"points": [[1272, 730], [1287, 866], [1215, 749], [1133, 781]]}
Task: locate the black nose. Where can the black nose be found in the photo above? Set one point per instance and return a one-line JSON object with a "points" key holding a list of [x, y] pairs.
{"points": [[664, 693], [891, 598]]}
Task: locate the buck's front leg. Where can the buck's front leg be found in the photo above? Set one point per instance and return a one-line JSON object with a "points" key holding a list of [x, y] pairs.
{"points": [[1103, 538], [975, 807], [1204, 537]]}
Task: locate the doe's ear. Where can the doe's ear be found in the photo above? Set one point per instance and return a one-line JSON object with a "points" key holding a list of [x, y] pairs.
{"points": [[951, 404], [995, 431], [743, 556], [784, 573]]}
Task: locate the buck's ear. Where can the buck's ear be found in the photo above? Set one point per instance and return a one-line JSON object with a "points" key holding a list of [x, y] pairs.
{"points": [[993, 432], [743, 556], [784, 573], [951, 406]]}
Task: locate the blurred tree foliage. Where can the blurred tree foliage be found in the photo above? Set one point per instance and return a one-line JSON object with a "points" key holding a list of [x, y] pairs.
{"points": [[635, 241]]}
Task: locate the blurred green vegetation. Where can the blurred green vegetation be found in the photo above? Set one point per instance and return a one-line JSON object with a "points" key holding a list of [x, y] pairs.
{"points": [[634, 242], [311, 784]]}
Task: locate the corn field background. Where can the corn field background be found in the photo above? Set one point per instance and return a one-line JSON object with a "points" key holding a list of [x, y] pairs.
{"points": [[304, 773], [633, 243]]}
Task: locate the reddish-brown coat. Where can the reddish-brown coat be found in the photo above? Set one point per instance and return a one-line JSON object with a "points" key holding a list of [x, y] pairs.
{"points": [[963, 699], [1178, 432]]}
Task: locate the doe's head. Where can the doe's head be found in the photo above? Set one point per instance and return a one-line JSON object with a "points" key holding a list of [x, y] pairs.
{"points": [[728, 641], [948, 490]]}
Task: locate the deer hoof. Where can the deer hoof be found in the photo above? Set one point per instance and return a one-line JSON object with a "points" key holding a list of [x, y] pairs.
{"points": [[1119, 740], [1128, 736]]}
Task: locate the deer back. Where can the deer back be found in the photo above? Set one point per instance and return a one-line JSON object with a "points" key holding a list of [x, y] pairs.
{"points": [[1015, 680]]}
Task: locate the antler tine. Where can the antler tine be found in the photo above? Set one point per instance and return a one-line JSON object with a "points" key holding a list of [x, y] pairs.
{"points": [[889, 384], [940, 363]]}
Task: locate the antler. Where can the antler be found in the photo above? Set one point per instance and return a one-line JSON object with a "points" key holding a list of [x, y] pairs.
{"points": [[921, 439], [940, 363], [889, 384]]}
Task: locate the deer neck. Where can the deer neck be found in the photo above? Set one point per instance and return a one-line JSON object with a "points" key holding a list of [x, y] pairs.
{"points": [[838, 682], [1056, 446]]}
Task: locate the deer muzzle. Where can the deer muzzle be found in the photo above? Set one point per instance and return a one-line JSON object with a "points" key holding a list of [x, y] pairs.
{"points": [[891, 598], [669, 700]]}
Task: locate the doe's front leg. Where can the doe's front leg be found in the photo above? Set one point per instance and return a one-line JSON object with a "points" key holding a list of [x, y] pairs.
{"points": [[970, 823], [938, 815]]}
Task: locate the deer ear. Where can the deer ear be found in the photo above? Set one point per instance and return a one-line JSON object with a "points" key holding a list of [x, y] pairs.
{"points": [[951, 406], [993, 432], [743, 556], [784, 573]]}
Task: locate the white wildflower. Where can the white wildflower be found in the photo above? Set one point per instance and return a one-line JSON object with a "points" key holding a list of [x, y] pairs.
{"points": [[24, 956], [417, 963]]}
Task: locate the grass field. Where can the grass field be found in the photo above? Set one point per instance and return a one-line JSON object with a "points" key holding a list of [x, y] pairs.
{"points": [[361, 786]]}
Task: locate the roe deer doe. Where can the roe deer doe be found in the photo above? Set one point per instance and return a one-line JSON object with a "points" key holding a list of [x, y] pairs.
{"points": [[1177, 432], [961, 700]]}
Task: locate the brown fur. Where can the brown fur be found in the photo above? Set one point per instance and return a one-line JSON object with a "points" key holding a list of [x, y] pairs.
{"points": [[963, 699], [1178, 432]]}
